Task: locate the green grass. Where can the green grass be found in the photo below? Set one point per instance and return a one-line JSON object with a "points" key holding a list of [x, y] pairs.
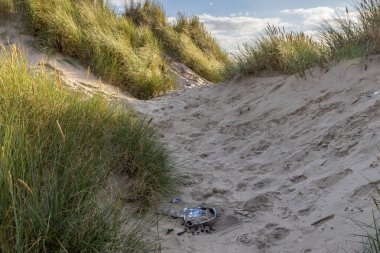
{"points": [[117, 50], [370, 239], [126, 51], [187, 40], [284, 52], [57, 149], [6, 9], [194, 28], [278, 51], [352, 38]]}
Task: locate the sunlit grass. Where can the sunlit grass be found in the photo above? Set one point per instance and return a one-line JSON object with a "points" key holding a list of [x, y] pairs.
{"points": [[123, 54], [278, 51], [57, 149], [355, 34], [187, 40]]}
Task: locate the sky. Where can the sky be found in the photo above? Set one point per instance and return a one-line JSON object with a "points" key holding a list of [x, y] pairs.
{"points": [[233, 22]]}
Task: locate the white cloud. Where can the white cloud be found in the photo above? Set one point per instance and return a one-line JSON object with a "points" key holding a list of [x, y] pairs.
{"points": [[241, 27], [120, 3], [239, 24], [313, 16], [236, 29], [309, 20]]}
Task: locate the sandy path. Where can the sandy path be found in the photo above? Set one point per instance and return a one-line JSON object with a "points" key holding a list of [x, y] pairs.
{"points": [[287, 152]]}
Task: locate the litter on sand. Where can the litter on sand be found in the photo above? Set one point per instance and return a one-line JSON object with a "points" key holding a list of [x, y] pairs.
{"points": [[195, 216], [175, 200], [199, 216]]}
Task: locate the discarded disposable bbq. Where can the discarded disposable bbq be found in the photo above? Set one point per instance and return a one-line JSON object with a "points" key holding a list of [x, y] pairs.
{"points": [[199, 216]]}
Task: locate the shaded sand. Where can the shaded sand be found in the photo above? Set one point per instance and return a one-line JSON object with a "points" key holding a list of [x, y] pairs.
{"points": [[294, 159]]}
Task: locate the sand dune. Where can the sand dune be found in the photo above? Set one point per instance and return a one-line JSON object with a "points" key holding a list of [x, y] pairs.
{"points": [[294, 159], [298, 157]]}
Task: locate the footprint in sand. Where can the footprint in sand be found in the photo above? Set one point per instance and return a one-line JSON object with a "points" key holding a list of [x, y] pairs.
{"points": [[229, 149], [261, 203], [243, 110], [261, 146], [306, 211], [267, 237], [345, 149], [332, 179], [242, 186], [258, 169], [263, 183], [202, 195], [240, 130], [297, 156], [197, 115], [196, 135], [298, 178], [362, 191], [165, 124], [191, 106], [327, 108]]}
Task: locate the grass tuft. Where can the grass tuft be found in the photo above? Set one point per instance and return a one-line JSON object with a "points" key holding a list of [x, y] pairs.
{"points": [[127, 51], [354, 36], [58, 148], [370, 239], [187, 40], [6, 9], [278, 51], [125, 55]]}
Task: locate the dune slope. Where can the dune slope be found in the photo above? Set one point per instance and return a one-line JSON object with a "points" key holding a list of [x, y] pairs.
{"points": [[297, 158]]}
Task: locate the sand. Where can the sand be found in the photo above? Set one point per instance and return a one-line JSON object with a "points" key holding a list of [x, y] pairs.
{"points": [[294, 159], [297, 157]]}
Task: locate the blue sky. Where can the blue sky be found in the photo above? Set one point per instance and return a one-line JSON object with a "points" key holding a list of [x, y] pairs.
{"points": [[234, 21]]}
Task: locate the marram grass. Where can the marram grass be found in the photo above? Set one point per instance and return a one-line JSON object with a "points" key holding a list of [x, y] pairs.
{"points": [[354, 33], [6, 9], [57, 149], [123, 54], [127, 51], [279, 52], [187, 40]]}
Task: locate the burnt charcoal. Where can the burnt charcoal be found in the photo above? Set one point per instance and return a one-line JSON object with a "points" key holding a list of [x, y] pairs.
{"points": [[181, 233]]}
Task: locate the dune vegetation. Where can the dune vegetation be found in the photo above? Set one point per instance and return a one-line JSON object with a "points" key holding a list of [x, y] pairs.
{"points": [[351, 35], [278, 51], [129, 50], [58, 149], [6, 9], [357, 35], [186, 40], [117, 50]]}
